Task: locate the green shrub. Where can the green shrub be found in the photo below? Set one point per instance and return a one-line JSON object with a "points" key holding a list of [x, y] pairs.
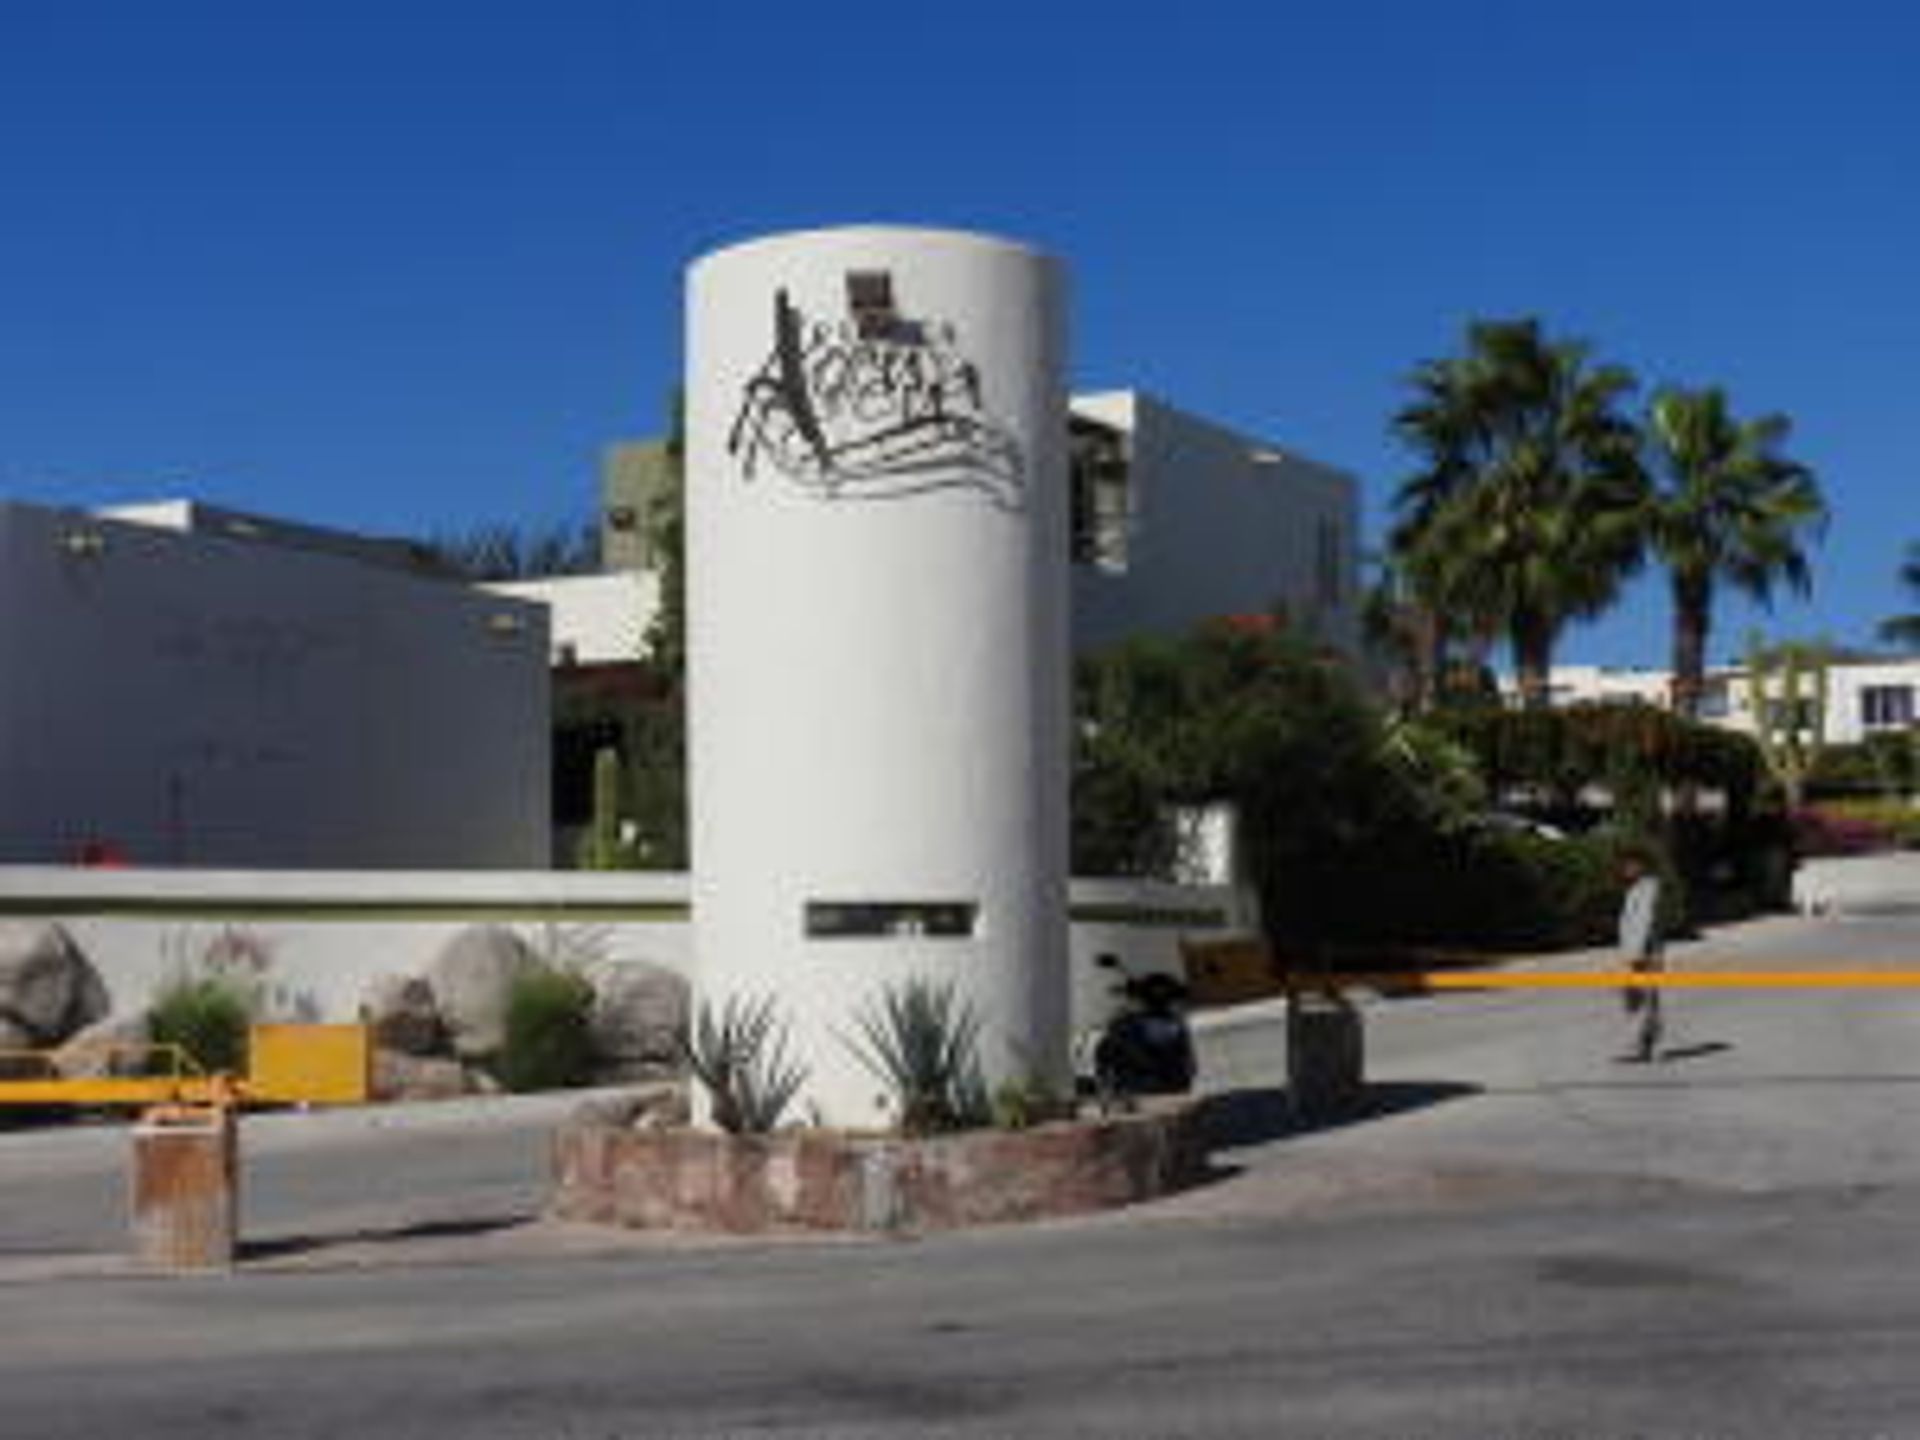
{"points": [[547, 1044], [922, 1040], [739, 1054], [1023, 1103], [207, 1017]]}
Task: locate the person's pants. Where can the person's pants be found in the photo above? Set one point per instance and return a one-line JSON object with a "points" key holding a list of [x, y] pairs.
{"points": [[1643, 1007], [1647, 1041]]}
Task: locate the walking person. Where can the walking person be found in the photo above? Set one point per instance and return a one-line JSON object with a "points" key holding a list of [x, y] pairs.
{"points": [[1642, 949]]}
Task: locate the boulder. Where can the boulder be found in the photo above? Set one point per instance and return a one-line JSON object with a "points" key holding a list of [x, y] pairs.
{"points": [[638, 1018], [661, 1106], [47, 987], [15, 1066], [114, 1047], [470, 980], [400, 1014], [400, 1076]]}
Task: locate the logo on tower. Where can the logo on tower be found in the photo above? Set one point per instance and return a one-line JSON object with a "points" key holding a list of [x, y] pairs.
{"points": [[873, 406]]}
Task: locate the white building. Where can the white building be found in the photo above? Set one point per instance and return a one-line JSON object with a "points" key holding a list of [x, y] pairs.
{"points": [[1175, 520], [184, 685], [1178, 520], [592, 619], [1864, 697]]}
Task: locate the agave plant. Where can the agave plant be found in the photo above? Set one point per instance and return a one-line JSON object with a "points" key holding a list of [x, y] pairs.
{"points": [[922, 1040], [740, 1054]]}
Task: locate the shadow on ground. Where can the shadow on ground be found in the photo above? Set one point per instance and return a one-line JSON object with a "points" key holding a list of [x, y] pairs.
{"points": [[1239, 1118], [1698, 1050], [282, 1247]]}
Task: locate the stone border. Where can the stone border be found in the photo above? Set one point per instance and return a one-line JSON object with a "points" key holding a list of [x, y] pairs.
{"points": [[828, 1180]]}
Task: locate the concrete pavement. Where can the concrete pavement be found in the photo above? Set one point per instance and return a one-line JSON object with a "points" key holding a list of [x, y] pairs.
{"points": [[1525, 1240]]}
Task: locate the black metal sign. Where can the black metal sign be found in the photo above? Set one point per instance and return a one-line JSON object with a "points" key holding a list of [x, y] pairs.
{"points": [[873, 406]]}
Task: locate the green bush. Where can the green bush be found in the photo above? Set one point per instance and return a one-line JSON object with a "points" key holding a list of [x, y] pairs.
{"points": [[739, 1053], [921, 1039], [207, 1017], [548, 1045], [1558, 753]]}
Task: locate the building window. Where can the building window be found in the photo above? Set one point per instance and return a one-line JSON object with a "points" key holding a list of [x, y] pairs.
{"points": [[1886, 707], [1792, 717], [1327, 568], [1715, 701], [891, 919], [1102, 495]]}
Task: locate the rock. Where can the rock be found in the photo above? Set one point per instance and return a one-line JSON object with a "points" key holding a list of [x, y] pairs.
{"points": [[671, 1110], [399, 1012], [13, 1066], [47, 987], [399, 1076], [116, 1046], [660, 1106], [470, 980], [639, 1016]]}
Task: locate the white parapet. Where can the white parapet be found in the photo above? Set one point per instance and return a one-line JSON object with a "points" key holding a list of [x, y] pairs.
{"points": [[877, 613]]}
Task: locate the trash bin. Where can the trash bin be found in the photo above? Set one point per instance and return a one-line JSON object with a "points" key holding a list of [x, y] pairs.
{"points": [[185, 1188], [1326, 1056]]}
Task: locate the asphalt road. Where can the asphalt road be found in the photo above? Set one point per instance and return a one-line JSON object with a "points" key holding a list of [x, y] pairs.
{"points": [[1527, 1239]]}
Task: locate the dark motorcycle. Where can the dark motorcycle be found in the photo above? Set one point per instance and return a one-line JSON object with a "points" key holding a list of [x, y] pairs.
{"points": [[1146, 1047]]}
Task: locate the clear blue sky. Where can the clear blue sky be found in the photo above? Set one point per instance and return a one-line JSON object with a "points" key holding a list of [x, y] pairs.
{"points": [[406, 265]]}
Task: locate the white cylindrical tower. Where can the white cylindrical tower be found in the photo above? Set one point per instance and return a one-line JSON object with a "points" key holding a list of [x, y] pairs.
{"points": [[877, 638]]}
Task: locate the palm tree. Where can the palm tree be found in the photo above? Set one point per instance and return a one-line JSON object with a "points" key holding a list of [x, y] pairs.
{"points": [[1438, 426], [1531, 509], [1905, 629], [1727, 507]]}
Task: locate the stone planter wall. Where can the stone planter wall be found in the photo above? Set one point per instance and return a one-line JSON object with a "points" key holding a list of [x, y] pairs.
{"points": [[830, 1180]]}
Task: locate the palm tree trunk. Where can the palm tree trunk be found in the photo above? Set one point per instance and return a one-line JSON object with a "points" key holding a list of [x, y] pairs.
{"points": [[1532, 639], [1692, 620], [1430, 658]]}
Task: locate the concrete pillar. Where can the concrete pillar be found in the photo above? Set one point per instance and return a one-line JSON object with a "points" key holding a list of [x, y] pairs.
{"points": [[1326, 1057], [877, 640], [185, 1188]]}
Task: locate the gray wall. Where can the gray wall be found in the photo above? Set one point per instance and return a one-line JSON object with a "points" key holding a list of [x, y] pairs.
{"points": [[1221, 525], [208, 701]]}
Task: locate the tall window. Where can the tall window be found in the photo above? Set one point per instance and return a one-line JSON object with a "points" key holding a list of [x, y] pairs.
{"points": [[1886, 707], [1102, 495]]}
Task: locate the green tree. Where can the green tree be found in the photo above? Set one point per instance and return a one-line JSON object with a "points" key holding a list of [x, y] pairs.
{"points": [[1530, 509], [1904, 630], [1789, 687], [1727, 507], [666, 634], [1415, 610], [658, 759]]}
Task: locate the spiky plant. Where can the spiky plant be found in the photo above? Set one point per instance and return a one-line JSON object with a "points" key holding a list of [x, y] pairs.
{"points": [[922, 1040], [740, 1054]]}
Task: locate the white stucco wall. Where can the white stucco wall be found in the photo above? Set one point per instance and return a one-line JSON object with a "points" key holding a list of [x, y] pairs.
{"points": [[1221, 525], [877, 638], [1846, 720], [592, 619], [199, 700], [325, 934], [1729, 702]]}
